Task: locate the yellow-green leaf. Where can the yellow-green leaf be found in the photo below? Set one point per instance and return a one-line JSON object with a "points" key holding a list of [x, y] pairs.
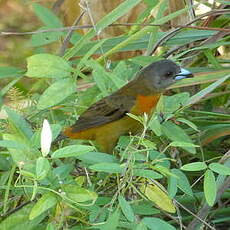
{"points": [[159, 197]]}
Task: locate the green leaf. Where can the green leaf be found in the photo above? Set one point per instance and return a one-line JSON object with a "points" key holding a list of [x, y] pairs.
{"points": [[46, 16], [126, 209], [158, 196], [79, 194], [175, 133], [12, 144], [144, 208], [46, 202], [156, 224], [50, 20], [146, 173], [112, 222], [97, 157], [9, 71], [45, 38], [189, 123], [210, 187], [195, 98], [141, 33], [28, 174], [173, 103], [72, 151], [183, 37], [20, 220], [182, 144], [20, 154], [47, 66], [196, 166], [111, 17], [182, 182], [211, 58], [42, 168], [141, 226], [107, 167], [20, 126], [91, 51], [155, 126], [219, 168], [56, 93], [172, 186], [105, 81]]}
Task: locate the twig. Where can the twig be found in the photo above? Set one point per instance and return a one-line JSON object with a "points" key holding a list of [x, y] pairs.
{"points": [[214, 12], [88, 10], [197, 217], [175, 31], [69, 34], [66, 28], [57, 5], [212, 39], [191, 9], [15, 209], [204, 210]]}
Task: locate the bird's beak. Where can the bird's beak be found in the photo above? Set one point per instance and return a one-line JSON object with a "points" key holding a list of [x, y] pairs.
{"points": [[184, 73]]}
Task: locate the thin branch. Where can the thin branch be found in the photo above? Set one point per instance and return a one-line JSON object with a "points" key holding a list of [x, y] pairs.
{"points": [[61, 29], [216, 37], [69, 34], [214, 12], [175, 31], [198, 218], [57, 5]]}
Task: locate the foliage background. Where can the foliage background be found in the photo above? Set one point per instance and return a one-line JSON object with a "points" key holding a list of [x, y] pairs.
{"points": [[173, 175]]}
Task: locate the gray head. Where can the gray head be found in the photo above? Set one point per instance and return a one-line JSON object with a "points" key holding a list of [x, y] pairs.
{"points": [[159, 75]]}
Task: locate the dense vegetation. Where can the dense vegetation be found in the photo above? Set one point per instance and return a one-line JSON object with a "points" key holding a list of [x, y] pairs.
{"points": [[174, 175]]}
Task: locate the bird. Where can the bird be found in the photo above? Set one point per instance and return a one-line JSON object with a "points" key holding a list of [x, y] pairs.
{"points": [[107, 119]]}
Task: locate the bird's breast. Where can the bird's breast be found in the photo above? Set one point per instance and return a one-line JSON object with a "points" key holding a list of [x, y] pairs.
{"points": [[145, 104]]}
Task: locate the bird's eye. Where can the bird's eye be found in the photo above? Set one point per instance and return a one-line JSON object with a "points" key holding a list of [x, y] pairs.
{"points": [[169, 74]]}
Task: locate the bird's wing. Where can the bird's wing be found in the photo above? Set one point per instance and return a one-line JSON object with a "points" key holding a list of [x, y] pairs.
{"points": [[104, 111]]}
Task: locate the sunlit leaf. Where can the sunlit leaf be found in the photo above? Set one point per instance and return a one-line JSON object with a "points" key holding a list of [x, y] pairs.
{"points": [[158, 196]]}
